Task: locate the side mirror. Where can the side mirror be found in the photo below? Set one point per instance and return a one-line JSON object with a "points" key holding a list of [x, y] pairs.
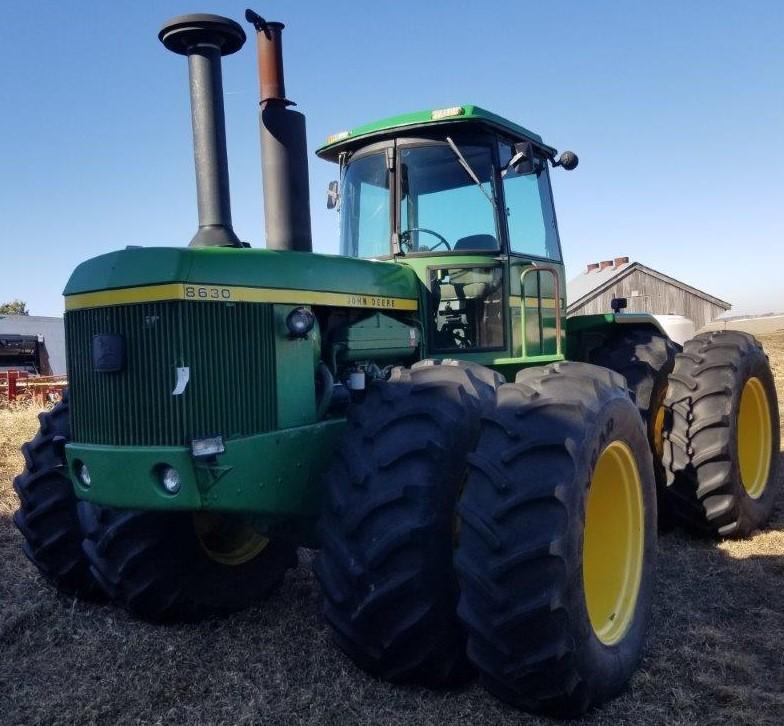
{"points": [[522, 161], [618, 304], [333, 195], [568, 160]]}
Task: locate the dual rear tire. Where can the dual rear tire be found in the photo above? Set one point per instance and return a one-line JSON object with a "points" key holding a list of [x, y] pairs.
{"points": [[545, 628], [721, 448]]}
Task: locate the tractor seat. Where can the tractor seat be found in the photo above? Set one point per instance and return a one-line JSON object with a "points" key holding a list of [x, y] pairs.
{"points": [[477, 242]]}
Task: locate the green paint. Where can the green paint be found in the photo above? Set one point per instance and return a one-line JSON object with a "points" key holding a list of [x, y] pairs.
{"points": [[295, 365], [408, 122], [275, 474], [242, 267]]}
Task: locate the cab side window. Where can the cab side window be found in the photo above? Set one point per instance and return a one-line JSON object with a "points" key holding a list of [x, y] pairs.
{"points": [[529, 207]]}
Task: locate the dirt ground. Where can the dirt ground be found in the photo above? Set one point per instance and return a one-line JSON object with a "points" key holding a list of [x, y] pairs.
{"points": [[715, 654]]}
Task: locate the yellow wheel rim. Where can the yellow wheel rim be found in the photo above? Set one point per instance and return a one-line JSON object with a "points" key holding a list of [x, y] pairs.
{"points": [[230, 540], [658, 422], [613, 543], [755, 438]]}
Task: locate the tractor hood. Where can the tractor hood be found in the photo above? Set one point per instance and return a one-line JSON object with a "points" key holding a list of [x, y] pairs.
{"points": [[247, 275]]}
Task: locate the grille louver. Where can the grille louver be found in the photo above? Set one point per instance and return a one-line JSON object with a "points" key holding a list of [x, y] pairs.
{"points": [[228, 347]]}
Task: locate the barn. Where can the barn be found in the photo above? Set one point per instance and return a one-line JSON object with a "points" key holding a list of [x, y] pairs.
{"points": [[645, 289]]}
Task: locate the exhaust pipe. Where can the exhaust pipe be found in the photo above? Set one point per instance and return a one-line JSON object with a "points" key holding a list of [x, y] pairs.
{"points": [[204, 39], [284, 152]]}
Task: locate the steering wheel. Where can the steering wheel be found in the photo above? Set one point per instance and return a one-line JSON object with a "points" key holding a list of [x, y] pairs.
{"points": [[442, 240]]}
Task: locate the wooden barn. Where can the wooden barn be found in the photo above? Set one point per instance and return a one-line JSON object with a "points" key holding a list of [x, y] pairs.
{"points": [[645, 289]]}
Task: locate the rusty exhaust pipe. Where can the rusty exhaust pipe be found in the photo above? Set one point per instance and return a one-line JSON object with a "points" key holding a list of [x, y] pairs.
{"points": [[204, 39], [284, 153]]}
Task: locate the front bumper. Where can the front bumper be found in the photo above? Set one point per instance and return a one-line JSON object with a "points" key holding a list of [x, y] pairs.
{"points": [[275, 475]]}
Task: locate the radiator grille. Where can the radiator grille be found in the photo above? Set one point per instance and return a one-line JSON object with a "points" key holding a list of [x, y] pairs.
{"points": [[228, 347]]}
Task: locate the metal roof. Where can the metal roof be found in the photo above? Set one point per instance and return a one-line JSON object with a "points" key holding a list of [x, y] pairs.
{"points": [[590, 284], [430, 117]]}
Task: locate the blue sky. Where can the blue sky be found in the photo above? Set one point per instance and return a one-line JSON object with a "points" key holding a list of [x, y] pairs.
{"points": [[676, 110]]}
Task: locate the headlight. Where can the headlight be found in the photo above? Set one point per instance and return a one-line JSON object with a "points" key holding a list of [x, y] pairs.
{"points": [[170, 479], [84, 475], [300, 322]]}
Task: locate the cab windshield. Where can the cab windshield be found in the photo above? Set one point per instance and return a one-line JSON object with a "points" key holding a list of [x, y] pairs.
{"points": [[442, 208]]}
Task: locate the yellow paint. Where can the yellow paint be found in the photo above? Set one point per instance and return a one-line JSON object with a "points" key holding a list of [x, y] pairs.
{"points": [[755, 438], [229, 540], [531, 302], [230, 293], [613, 543]]}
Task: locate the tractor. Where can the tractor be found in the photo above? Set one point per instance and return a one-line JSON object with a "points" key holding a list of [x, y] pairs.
{"points": [[482, 477]]}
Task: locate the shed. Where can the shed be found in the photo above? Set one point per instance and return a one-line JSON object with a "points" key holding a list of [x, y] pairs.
{"points": [[645, 289], [37, 341]]}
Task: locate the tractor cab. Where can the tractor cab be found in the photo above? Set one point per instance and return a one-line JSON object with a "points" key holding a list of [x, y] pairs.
{"points": [[463, 197]]}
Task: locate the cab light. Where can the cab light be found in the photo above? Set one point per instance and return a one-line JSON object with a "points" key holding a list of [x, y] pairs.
{"points": [[338, 137], [440, 113]]}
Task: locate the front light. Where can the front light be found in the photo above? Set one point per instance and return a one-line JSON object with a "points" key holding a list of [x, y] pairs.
{"points": [[300, 322], [84, 475], [170, 479]]}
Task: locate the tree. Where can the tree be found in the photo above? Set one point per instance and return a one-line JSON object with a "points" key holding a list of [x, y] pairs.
{"points": [[14, 307]]}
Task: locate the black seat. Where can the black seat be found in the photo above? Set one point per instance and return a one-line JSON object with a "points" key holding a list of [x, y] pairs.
{"points": [[476, 242]]}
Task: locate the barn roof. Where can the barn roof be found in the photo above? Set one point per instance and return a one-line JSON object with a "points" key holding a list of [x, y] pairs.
{"points": [[592, 283]]}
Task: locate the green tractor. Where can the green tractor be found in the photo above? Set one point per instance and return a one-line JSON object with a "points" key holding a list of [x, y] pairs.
{"points": [[480, 474]]}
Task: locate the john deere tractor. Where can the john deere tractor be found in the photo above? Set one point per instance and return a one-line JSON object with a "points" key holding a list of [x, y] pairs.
{"points": [[479, 474]]}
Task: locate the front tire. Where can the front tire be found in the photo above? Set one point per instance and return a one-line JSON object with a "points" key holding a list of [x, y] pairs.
{"points": [[167, 566], [722, 446], [557, 544], [386, 530], [47, 515]]}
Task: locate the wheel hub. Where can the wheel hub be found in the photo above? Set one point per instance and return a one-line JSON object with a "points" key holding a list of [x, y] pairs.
{"points": [[613, 543], [755, 438], [229, 540]]}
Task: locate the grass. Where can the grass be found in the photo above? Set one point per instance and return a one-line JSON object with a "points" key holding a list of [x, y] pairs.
{"points": [[715, 655]]}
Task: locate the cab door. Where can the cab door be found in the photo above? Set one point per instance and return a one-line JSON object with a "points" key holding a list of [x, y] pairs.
{"points": [[536, 273]]}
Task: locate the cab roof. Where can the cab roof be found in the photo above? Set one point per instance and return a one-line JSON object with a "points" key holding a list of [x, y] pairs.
{"points": [[359, 136]]}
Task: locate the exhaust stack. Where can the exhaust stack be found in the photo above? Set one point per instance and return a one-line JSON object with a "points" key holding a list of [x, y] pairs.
{"points": [[284, 153], [204, 39]]}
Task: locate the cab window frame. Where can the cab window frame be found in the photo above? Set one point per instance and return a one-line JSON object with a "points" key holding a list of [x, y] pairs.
{"points": [[542, 156], [380, 148], [490, 264]]}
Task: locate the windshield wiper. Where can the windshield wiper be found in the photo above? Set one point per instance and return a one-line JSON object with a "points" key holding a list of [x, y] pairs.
{"points": [[468, 170]]}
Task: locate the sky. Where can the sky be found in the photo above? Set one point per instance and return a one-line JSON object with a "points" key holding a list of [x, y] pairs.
{"points": [[676, 110]]}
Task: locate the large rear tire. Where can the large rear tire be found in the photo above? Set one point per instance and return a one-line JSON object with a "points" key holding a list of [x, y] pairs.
{"points": [[47, 516], [386, 531], [722, 444], [557, 540], [645, 358], [172, 566]]}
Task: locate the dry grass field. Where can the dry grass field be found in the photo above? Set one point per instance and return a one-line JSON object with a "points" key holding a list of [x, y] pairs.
{"points": [[715, 654]]}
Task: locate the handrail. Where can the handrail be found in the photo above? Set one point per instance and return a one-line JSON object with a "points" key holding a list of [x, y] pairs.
{"points": [[557, 285]]}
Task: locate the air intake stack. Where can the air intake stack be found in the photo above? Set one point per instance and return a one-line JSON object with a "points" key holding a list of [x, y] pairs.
{"points": [[204, 39], [284, 156]]}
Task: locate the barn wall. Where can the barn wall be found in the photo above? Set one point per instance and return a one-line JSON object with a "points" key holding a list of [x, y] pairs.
{"points": [[649, 294]]}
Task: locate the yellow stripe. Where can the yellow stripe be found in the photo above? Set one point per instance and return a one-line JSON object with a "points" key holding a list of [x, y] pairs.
{"points": [[227, 293], [531, 302]]}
